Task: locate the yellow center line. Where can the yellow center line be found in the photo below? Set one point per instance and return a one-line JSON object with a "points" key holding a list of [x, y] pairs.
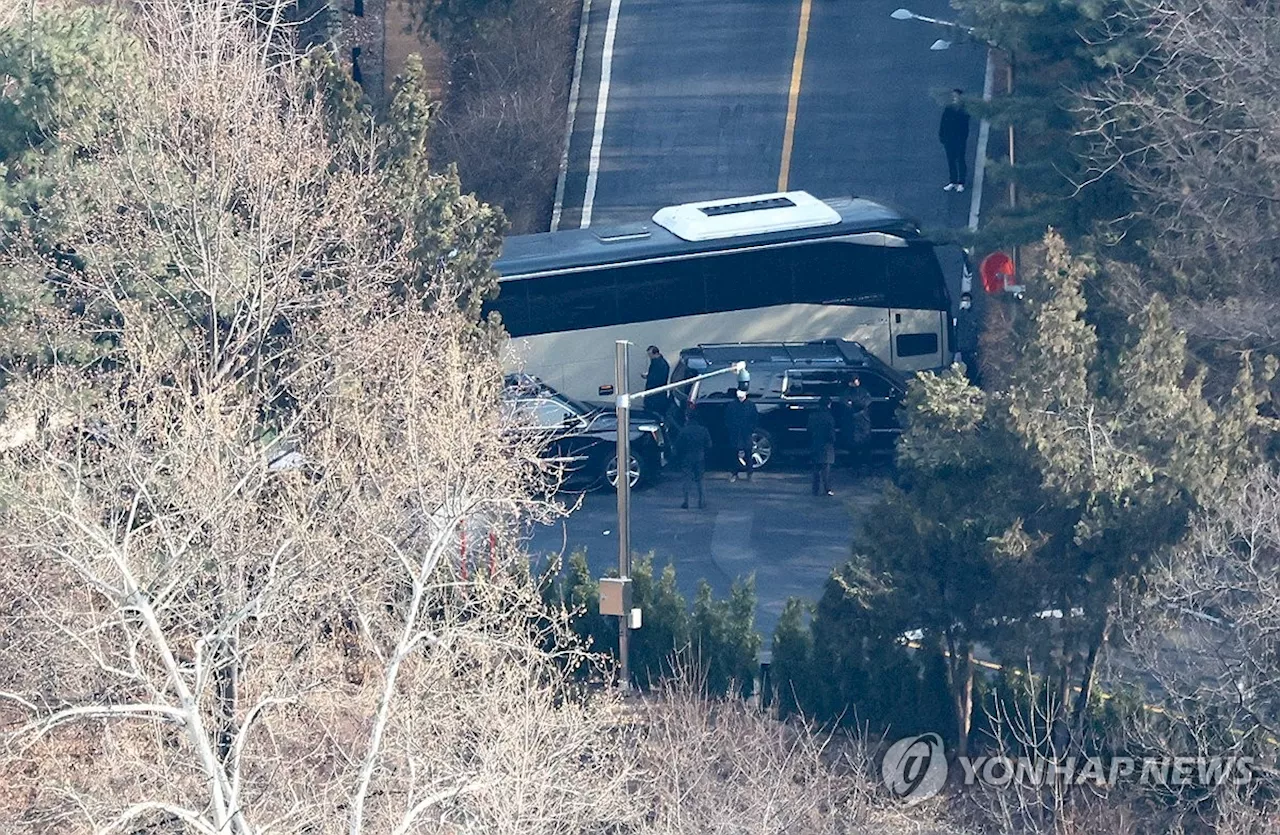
{"points": [[793, 101]]}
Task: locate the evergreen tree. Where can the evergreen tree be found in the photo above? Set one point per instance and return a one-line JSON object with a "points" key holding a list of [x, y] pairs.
{"points": [[792, 665], [726, 645], [657, 647], [1057, 49], [1018, 517]]}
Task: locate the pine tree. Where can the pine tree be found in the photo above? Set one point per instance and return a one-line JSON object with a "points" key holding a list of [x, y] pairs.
{"points": [[791, 667], [1057, 49], [1051, 496], [725, 644]]}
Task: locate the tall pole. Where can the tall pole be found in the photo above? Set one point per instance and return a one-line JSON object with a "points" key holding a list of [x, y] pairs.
{"points": [[623, 411], [1013, 184]]}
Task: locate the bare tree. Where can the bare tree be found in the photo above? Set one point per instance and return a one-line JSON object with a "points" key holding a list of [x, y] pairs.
{"points": [[1207, 627], [1191, 126], [725, 767], [230, 548], [503, 120]]}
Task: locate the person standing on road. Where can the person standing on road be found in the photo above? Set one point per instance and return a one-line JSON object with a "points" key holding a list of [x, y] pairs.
{"points": [[740, 419], [692, 446], [953, 133], [822, 444], [855, 421], [656, 376]]}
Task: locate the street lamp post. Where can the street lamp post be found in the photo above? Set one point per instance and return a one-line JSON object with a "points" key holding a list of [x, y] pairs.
{"points": [[615, 593]]}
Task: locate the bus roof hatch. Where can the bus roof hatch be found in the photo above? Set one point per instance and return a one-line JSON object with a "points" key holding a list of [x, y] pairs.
{"points": [[739, 216]]}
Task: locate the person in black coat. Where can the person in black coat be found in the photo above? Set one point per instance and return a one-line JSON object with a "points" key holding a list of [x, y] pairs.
{"points": [[822, 446], [657, 375], [855, 421], [692, 445], [740, 419], [953, 133]]}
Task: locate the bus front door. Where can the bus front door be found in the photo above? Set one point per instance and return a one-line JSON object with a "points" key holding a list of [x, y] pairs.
{"points": [[917, 339]]}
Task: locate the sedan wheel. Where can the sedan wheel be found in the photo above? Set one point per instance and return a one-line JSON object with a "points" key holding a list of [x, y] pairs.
{"points": [[633, 472]]}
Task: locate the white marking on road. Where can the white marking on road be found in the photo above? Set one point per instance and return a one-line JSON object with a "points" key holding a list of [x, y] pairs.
{"points": [[602, 102], [980, 161], [575, 87], [731, 539]]}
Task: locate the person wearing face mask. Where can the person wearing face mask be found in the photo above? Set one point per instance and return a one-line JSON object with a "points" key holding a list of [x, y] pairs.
{"points": [[966, 331], [740, 420]]}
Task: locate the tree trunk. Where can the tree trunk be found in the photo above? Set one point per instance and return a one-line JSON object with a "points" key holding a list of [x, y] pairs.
{"points": [[1090, 673], [960, 670]]}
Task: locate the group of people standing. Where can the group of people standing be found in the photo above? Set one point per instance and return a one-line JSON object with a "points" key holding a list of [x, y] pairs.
{"points": [[847, 417]]}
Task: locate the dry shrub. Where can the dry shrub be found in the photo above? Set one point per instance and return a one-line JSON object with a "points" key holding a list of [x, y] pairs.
{"points": [[725, 767], [503, 120]]}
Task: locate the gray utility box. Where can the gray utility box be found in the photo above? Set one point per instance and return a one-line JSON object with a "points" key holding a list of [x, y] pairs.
{"points": [[615, 596]]}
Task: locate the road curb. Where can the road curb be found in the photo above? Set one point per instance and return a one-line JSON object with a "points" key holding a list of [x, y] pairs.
{"points": [[575, 88]]}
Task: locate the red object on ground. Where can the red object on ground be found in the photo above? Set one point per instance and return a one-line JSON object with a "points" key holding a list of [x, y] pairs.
{"points": [[996, 272]]}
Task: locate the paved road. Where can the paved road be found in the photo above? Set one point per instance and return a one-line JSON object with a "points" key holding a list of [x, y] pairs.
{"points": [[771, 526], [698, 98]]}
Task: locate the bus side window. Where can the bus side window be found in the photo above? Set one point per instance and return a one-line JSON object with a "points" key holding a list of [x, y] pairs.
{"points": [[745, 280], [647, 292], [832, 272], [915, 279], [573, 301]]}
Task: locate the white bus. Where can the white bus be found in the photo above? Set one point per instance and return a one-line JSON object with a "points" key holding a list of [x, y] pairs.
{"points": [[783, 267]]}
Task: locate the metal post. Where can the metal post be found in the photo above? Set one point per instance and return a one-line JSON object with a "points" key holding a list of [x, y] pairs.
{"points": [[1013, 185], [622, 409]]}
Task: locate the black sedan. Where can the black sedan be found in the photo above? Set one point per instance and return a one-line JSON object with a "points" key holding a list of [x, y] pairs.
{"points": [[579, 441]]}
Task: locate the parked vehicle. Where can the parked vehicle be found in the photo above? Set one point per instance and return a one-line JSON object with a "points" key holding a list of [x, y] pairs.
{"points": [[579, 441], [782, 266], [788, 379]]}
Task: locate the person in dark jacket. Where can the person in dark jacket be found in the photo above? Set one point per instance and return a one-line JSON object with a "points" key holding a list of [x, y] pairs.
{"points": [[740, 419], [692, 446], [953, 133], [822, 445], [659, 371], [855, 421]]}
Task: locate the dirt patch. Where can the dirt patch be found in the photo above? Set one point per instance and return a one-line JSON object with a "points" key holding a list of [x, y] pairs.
{"points": [[403, 40]]}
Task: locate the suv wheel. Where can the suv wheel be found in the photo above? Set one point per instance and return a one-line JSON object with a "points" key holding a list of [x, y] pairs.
{"points": [[761, 448], [636, 471]]}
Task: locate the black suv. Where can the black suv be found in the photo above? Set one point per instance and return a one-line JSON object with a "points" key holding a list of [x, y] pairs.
{"points": [[579, 438], [787, 381]]}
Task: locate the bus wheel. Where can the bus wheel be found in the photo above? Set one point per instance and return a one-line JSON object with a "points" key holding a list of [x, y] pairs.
{"points": [[761, 448], [635, 472]]}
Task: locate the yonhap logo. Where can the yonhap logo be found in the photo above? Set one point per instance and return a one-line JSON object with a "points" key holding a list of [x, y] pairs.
{"points": [[915, 768]]}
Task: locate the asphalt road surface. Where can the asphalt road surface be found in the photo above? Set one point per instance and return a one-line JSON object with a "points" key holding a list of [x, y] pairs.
{"points": [[685, 100], [698, 94], [771, 526]]}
